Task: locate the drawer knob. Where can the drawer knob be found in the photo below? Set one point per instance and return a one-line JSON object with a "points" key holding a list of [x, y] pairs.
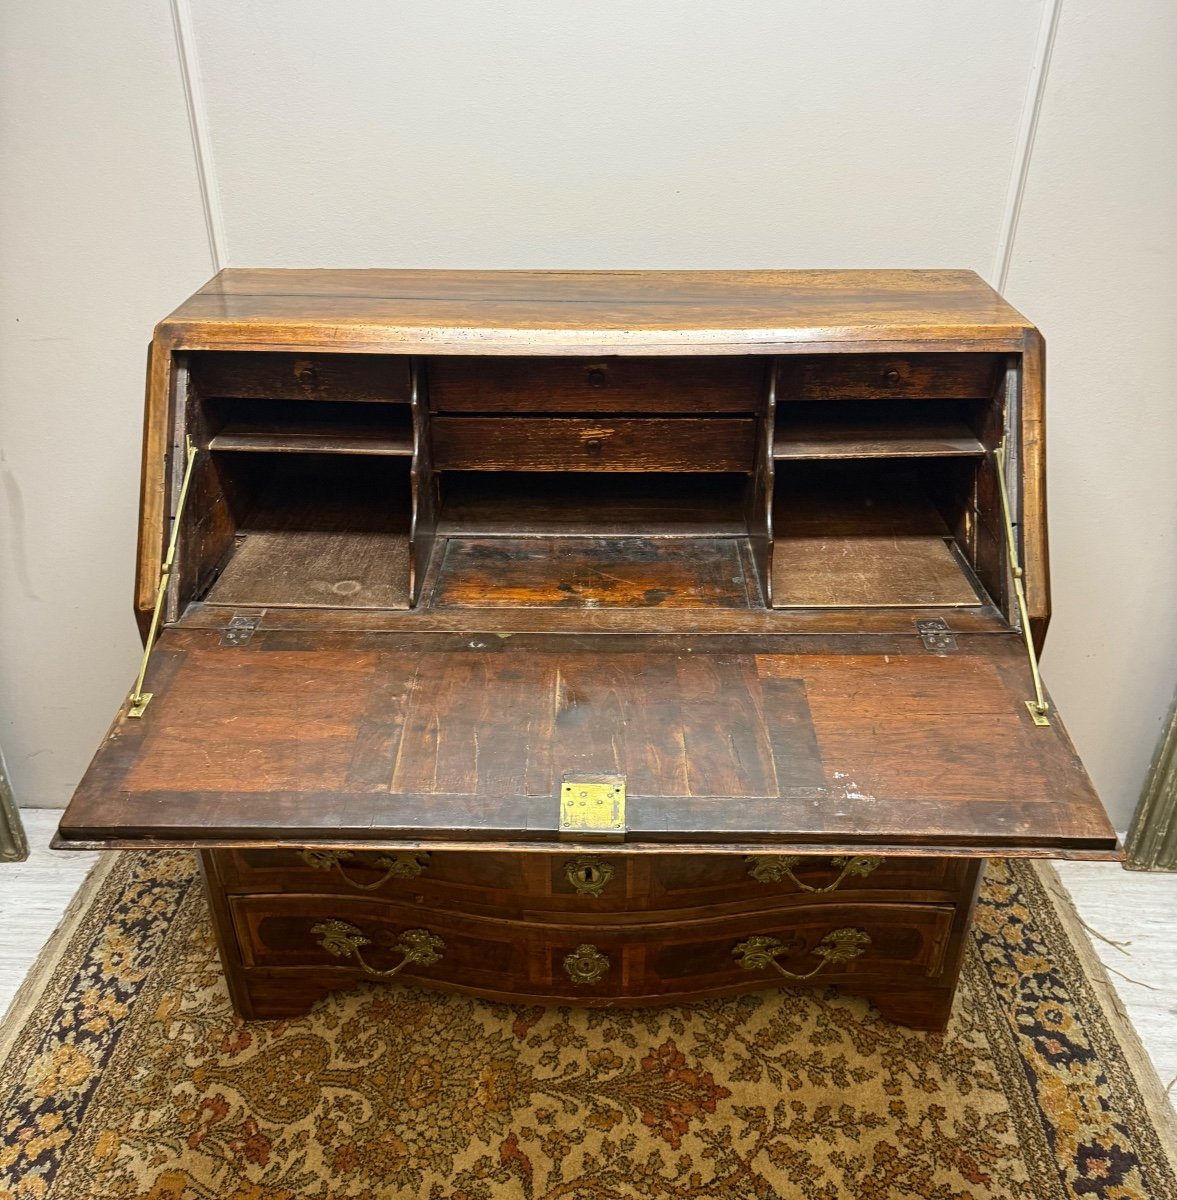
{"points": [[768, 868], [593, 447], [403, 864], [306, 375], [586, 964], [596, 377], [588, 875], [840, 946], [892, 376], [342, 940]]}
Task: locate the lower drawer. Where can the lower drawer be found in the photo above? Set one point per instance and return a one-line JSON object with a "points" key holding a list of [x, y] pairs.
{"points": [[368, 939]]}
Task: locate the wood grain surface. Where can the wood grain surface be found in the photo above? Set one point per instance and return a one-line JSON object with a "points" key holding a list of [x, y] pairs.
{"points": [[367, 739]]}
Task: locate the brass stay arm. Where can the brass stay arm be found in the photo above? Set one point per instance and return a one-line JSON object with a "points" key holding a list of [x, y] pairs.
{"points": [[138, 700], [1039, 708]]}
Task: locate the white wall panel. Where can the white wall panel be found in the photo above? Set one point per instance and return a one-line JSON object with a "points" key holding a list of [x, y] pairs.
{"points": [[555, 133], [100, 235], [1095, 264]]}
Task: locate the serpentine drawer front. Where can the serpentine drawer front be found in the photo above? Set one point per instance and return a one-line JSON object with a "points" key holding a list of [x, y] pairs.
{"points": [[591, 637], [376, 942]]}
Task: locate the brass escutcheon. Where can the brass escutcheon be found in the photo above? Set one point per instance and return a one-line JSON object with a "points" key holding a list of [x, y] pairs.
{"points": [[586, 964], [588, 875], [768, 868]]}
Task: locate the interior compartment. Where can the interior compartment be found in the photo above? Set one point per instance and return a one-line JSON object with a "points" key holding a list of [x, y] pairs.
{"points": [[823, 429], [294, 426], [513, 539], [563, 503], [293, 530], [877, 534]]}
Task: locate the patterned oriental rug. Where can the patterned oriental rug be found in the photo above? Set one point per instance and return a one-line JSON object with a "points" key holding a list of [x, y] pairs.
{"points": [[124, 1075]]}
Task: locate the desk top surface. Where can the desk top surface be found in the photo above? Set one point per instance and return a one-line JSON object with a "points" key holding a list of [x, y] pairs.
{"points": [[589, 312]]}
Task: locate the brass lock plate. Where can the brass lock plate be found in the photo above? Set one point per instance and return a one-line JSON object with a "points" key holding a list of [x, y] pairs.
{"points": [[592, 807]]}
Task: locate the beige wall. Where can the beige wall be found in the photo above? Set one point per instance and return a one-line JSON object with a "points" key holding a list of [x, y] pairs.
{"points": [[557, 133]]}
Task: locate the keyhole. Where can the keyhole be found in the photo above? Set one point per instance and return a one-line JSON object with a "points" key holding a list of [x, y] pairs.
{"points": [[588, 875]]}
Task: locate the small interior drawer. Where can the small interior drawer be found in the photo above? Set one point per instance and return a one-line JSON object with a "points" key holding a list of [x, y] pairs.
{"points": [[890, 377], [279, 376], [593, 444], [575, 385]]}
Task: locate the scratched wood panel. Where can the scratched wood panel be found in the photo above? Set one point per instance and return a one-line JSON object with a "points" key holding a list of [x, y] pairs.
{"points": [[906, 740], [255, 722]]}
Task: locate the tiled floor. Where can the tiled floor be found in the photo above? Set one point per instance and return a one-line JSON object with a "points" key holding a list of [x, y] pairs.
{"points": [[1132, 917]]}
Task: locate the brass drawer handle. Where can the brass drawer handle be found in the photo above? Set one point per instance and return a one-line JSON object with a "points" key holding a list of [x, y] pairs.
{"points": [[344, 941], [840, 946], [404, 864], [586, 964], [767, 868], [588, 875]]}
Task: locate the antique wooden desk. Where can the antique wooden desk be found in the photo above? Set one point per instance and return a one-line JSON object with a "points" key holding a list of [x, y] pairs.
{"points": [[597, 638]]}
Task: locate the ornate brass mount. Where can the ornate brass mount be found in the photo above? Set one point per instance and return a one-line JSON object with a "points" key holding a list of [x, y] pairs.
{"points": [[345, 941], [767, 868], [586, 964], [588, 875], [837, 947], [404, 864]]}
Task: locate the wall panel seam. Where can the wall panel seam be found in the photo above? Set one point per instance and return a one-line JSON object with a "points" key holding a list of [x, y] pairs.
{"points": [[210, 198], [1027, 135]]}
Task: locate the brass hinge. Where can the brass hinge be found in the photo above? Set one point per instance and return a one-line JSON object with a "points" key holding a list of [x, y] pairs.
{"points": [[138, 700], [1039, 708], [592, 807], [241, 627], [936, 636]]}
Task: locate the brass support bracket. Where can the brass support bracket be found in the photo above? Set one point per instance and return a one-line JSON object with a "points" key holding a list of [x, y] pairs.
{"points": [[138, 700], [1038, 707]]}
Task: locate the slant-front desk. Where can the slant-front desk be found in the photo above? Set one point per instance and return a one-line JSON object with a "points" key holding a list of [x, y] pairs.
{"points": [[597, 638]]}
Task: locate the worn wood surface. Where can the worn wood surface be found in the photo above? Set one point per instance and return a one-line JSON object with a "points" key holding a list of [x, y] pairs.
{"points": [[598, 572], [591, 312]]}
